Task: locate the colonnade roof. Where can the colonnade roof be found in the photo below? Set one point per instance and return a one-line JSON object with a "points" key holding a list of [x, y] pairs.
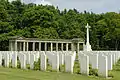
{"points": [[37, 39]]}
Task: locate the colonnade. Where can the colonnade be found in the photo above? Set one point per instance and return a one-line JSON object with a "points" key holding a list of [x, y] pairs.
{"points": [[60, 46]]}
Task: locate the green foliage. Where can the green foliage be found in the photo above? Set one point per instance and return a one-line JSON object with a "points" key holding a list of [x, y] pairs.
{"points": [[28, 66], [48, 22], [116, 67], [18, 63], [110, 74], [62, 68], [76, 67], [3, 62], [37, 65], [93, 72], [44, 33], [10, 64], [49, 67]]}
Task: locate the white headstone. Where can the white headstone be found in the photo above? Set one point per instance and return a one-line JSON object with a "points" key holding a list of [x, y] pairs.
{"points": [[113, 58], [37, 55], [6, 60], [32, 59], [55, 62], [43, 62], [23, 61], [102, 66], [0, 59], [28, 57], [69, 63], [49, 56], [110, 62], [14, 59], [10, 55], [84, 64], [61, 58], [94, 61]]}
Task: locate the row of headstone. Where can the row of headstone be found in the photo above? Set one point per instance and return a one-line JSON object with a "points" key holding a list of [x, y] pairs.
{"points": [[55, 59], [37, 55], [12, 57], [67, 58], [101, 60]]}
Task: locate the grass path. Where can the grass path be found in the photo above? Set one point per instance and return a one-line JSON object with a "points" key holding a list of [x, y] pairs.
{"points": [[17, 74]]}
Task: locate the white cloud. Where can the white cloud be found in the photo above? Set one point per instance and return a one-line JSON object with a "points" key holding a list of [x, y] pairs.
{"points": [[97, 6]]}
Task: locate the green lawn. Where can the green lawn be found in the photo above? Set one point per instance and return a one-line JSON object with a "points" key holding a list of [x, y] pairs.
{"points": [[17, 74]]}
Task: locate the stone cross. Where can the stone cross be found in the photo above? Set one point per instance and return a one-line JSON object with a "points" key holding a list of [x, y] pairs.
{"points": [[87, 43]]}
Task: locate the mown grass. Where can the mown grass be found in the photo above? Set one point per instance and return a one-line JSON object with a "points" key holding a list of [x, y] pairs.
{"points": [[36, 74], [18, 74]]}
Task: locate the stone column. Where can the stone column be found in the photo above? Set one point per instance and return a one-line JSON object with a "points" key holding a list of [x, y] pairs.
{"points": [[33, 46], [10, 46], [45, 46], [20, 46], [72, 46], [83, 46], [23, 46], [51, 46], [66, 46], [56, 46], [39, 46], [78, 47], [15, 45], [61, 46], [27, 46]]}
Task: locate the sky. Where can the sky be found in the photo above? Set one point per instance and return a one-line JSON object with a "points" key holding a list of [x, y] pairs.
{"points": [[96, 6]]}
